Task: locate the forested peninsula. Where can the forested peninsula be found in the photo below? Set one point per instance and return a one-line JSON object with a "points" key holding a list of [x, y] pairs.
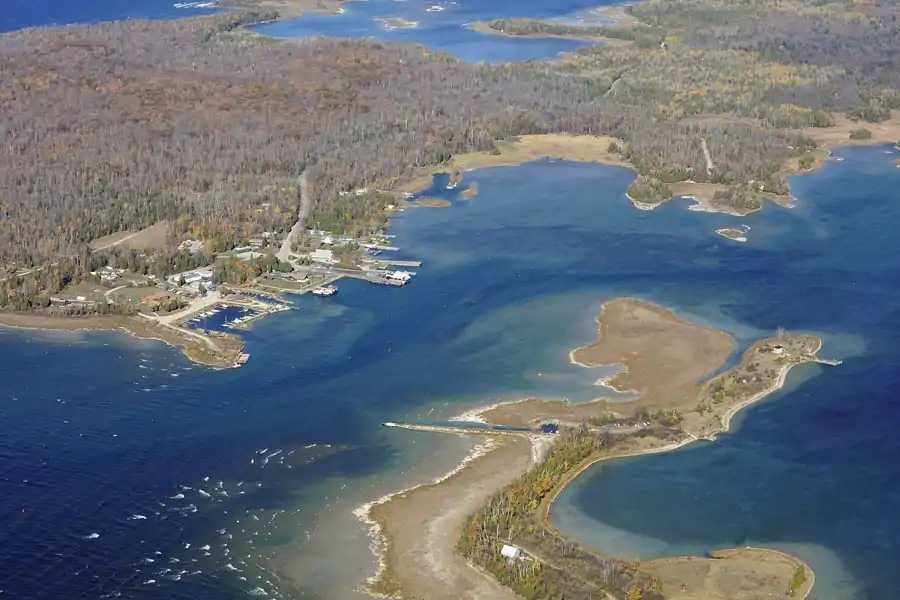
{"points": [[202, 129]]}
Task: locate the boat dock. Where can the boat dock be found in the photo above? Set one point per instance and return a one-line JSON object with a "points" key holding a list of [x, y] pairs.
{"points": [[394, 263], [393, 278], [242, 359], [379, 247]]}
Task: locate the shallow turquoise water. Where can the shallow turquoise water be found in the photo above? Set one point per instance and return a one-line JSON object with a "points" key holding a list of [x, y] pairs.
{"points": [[512, 281], [125, 439]]}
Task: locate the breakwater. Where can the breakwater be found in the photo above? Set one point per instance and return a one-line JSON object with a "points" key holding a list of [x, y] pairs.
{"points": [[470, 429]]}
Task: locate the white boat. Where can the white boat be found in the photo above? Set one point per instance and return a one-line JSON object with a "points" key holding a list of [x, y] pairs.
{"points": [[327, 290]]}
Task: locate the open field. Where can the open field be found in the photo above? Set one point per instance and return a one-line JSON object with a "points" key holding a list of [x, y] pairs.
{"points": [[93, 292], [886, 132], [153, 237], [737, 574], [527, 148], [663, 356], [485, 28], [665, 359]]}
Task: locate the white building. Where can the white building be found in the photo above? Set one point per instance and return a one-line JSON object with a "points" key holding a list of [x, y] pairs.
{"points": [[510, 552], [320, 255], [398, 275]]}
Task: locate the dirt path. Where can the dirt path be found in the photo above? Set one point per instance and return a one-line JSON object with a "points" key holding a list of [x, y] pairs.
{"points": [[426, 523], [284, 253], [117, 242]]}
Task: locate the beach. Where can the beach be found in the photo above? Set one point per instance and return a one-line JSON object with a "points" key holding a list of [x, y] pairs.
{"points": [[221, 352], [418, 529]]}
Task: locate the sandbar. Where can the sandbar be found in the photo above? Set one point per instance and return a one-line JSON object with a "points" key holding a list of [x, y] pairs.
{"points": [[421, 528], [665, 360]]}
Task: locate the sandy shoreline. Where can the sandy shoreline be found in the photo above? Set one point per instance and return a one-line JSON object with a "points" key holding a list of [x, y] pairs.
{"points": [[422, 549], [779, 383], [139, 328], [379, 543], [399, 522]]}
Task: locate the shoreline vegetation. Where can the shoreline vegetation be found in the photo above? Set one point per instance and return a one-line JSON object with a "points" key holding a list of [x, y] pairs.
{"points": [[287, 9], [720, 107], [220, 350], [443, 540], [735, 235]]}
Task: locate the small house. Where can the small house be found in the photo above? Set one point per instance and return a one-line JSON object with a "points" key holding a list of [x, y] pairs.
{"points": [[510, 552]]}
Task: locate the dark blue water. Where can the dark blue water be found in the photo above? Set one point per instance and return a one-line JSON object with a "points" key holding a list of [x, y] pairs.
{"points": [[99, 433], [122, 462], [18, 14], [812, 469], [445, 29]]}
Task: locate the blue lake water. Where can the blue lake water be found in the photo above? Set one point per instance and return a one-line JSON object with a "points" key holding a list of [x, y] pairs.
{"points": [[18, 14], [128, 472], [103, 429], [444, 29]]}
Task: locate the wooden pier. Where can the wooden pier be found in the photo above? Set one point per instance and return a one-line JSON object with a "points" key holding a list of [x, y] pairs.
{"points": [[242, 359]]}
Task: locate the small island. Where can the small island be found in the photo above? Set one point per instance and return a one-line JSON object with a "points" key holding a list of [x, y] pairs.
{"points": [[398, 23], [494, 511], [433, 202], [733, 233]]}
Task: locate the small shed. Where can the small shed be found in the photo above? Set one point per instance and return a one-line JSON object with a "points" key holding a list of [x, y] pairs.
{"points": [[510, 552]]}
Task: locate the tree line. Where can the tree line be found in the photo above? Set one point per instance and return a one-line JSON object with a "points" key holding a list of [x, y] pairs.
{"points": [[207, 126]]}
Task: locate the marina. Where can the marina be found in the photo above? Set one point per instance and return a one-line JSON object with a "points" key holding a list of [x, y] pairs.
{"points": [[230, 315]]}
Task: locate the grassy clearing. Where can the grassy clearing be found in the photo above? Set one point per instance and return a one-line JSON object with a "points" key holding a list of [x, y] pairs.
{"points": [[90, 291], [153, 237]]}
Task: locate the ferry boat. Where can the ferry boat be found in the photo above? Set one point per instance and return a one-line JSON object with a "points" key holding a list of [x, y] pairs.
{"points": [[327, 290]]}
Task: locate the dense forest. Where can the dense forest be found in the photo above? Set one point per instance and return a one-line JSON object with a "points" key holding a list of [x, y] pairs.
{"points": [[208, 127]]}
